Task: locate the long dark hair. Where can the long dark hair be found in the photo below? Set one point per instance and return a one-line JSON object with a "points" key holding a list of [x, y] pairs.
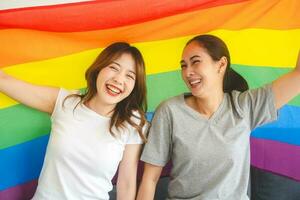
{"points": [[217, 48], [135, 102]]}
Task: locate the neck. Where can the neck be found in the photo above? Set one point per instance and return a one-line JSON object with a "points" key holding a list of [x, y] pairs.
{"points": [[99, 107], [207, 106]]}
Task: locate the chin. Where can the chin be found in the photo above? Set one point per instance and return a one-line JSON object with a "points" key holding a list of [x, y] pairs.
{"points": [[197, 93]]}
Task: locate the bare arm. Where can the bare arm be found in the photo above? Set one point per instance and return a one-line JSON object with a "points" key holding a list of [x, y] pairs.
{"points": [[126, 185], [287, 86], [148, 185], [39, 97]]}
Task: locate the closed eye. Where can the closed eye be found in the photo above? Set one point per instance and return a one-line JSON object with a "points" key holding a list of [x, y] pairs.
{"points": [[195, 62], [114, 68], [130, 76]]}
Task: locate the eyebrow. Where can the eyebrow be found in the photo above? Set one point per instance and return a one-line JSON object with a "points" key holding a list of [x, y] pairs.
{"points": [[121, 66], [191, 58]]}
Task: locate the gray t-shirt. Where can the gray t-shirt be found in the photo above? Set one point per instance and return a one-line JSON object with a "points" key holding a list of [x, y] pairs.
{"points": [[210, 157]]}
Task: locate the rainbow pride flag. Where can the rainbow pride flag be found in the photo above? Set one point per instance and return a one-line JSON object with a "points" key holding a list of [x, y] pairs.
{"points": [[53, 43]]}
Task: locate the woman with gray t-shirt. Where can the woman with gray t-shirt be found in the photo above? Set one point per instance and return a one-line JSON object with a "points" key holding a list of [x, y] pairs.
{"points": [[206, 132]]}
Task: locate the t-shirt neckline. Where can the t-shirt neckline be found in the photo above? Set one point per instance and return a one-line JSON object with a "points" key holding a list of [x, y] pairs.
{"points": [[90, 111], [214, 116]]}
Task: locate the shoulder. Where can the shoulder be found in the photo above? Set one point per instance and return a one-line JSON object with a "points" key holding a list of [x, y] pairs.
{"points": [[171, 103], [63, 93], [137, 118], [249, 98], [130, 134], [68, 96], [252, 94], [65, 99]]}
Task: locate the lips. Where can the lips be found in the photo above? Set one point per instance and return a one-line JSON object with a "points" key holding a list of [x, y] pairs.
{"points": [[194, 82], [113, 90]]}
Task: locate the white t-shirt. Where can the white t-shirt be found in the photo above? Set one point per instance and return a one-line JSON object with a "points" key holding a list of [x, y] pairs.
{"points": [[82, 156]]}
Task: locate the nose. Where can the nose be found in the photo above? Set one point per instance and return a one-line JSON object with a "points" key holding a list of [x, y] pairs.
{"points": [[188, 72], [119, 78]]}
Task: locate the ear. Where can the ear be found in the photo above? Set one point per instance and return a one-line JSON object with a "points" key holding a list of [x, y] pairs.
{"points": [[222, 65]]}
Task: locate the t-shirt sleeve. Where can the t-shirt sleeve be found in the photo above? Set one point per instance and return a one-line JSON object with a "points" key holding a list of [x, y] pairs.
{"points": [[62, 94], [158, 147], [258, 105], [134, 137]]}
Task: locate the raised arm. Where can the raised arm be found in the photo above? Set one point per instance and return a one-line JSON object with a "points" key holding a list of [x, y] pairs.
{"points": [[39, 97], [149, 181], [126, 185], [287, 86]]}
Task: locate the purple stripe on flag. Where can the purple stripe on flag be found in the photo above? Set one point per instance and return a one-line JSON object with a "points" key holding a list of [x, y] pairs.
{"points": [[20, 192], [277, 157]]}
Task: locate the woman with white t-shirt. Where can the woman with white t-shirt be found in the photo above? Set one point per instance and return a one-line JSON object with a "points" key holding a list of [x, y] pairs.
{"points": [[92, 133]]}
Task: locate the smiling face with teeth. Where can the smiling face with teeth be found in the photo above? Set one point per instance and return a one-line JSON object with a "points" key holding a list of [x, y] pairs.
{"points": [[116, 86], [202, 74], [116, 81]]}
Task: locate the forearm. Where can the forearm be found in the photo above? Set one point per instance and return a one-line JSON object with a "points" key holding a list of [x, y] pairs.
{"points": [[3, 81], [12, 87], [126, 191], [147, 190], [287, 86]]}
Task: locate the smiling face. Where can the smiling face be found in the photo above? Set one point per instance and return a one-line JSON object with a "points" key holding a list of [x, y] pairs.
{"points": [[116, 81], [202, 75]]}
